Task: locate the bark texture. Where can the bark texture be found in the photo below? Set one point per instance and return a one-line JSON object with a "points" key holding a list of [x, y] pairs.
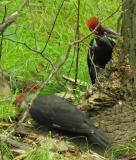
{"points": [[129, 32]]}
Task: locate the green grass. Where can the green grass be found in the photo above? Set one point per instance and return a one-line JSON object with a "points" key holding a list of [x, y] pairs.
{"points": [[126, 150], [5, 148], [34, 22], [33, 26], [7, 110], [42, 153]]}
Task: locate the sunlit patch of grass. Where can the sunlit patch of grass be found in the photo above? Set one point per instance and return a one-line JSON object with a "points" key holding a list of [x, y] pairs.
{"points": [[7, 110], [6, 152], [43, 152]]}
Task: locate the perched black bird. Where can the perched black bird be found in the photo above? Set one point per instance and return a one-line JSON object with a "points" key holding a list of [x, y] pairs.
{"points": [[101, 47], [54, 112]]}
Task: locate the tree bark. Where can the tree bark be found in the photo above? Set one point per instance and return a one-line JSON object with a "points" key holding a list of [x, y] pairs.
{"points": [[129, 34]]}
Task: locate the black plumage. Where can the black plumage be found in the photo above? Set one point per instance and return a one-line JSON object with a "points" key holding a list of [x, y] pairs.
{"points": [[54, 112], [99, 54]]}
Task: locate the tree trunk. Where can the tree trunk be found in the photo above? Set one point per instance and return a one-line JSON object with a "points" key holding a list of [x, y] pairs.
{"points": [[112, 102], [129, 35]]}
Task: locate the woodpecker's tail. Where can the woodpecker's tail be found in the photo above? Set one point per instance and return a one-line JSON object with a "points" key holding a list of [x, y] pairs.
{"points": [[97, 137]]}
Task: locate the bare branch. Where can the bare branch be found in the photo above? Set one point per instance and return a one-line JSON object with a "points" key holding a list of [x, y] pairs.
{"points": [[11, 18], [1, 42], [78, 44], [8, 21], [31, 49], [71, 80], [33, 26], [94, 66]]}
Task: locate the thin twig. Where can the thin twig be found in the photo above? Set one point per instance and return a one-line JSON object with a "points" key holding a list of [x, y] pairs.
{"points": [[33, 27], [90, 58], [31, 49], [8, 22], [12, 18], [119, 23], [78, 44], [21, 7], [5, 14], [71, 80], [53, 25], [74, 53]]}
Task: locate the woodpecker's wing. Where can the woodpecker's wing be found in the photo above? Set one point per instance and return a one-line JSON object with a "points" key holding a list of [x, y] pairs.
{"points": [[53, 111], [109, 41]]}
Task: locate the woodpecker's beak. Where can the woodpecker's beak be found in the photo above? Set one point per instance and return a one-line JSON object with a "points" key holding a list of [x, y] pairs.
{"points": [[109, 31]]}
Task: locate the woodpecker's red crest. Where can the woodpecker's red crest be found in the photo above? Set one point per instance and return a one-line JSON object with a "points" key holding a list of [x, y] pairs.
{"points": [[92, 23]]}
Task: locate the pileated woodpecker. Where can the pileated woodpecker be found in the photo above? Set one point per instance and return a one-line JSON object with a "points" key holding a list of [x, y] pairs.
{"points": [[54, 112], [100, 48]]}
